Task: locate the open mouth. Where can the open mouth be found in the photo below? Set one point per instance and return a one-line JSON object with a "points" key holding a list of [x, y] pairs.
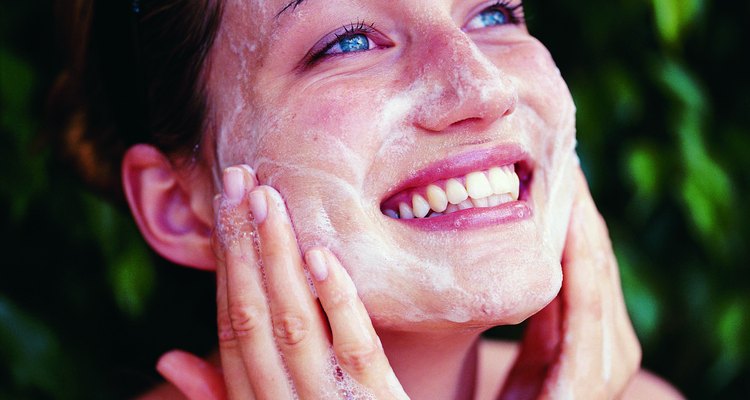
{"points": [[499, 186]]}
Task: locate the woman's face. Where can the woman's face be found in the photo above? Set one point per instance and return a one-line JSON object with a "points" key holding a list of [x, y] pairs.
{"points": [[351, 108]]}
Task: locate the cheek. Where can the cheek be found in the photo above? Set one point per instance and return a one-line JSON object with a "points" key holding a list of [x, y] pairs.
{"points": [[546, 93], [325, 134], [317, 158]]}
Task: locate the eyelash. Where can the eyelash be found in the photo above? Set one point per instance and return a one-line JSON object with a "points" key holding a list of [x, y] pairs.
{"points": [[514, 13], [357, 28]]}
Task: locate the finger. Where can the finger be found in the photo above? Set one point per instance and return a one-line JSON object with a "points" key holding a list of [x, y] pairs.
{"points": [[618, 335], [298, 324], [542, 334], [251, 337], [236, 381], [539, 348], [355, 343], [194, 377], [582, 304], [590, 287]]}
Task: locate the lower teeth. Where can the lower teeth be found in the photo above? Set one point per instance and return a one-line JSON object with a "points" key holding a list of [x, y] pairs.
{"points": [[486, 202]]}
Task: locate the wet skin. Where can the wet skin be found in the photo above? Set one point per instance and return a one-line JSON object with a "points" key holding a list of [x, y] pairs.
{"points": [[335, 136]]}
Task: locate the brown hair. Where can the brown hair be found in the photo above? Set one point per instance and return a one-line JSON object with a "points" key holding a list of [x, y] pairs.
{"points": [[134, 74]]}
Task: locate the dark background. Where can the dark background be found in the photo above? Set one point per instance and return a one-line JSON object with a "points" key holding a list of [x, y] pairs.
{"points": [[662, 96]]}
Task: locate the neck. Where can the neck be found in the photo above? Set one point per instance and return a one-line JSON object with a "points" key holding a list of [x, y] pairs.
{"points": [[434, 367]]}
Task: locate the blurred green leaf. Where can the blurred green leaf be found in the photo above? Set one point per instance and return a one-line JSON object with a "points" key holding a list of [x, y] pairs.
{"points": [[33, 354], [732, 330], [132, 277], [673, 16], [667, 15], [21, 175], [706, 187], [624, 94], [682, 85], [130, 268], [16, 78], [641, 297], [731, 325], [644, 173]]}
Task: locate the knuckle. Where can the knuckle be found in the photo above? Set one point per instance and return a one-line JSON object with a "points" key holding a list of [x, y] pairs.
{"points": [[290, 329], [225, 331], [244, 319], [356, 358]]}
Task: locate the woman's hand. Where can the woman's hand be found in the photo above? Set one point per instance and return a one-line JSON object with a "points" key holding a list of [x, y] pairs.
{"points": [[582, 345], [276, 342]]}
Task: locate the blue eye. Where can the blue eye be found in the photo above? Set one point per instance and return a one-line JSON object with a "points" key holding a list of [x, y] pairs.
{"points": [[493, 17], [500, 13], [350, 43], [357, 37]]}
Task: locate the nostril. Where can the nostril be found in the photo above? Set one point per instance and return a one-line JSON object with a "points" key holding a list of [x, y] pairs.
{"points": [[467, 121], [511, 105]]}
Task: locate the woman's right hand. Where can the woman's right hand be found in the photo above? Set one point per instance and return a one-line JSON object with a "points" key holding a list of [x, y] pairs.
{"points": [[582, 345], [276, 342]]}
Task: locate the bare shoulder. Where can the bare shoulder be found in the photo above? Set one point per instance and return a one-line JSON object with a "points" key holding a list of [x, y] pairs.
{"points": [[497, 357]]}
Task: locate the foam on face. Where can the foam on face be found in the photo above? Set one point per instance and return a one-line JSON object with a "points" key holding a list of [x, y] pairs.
{"points": [[327, 193], [386, 260]]}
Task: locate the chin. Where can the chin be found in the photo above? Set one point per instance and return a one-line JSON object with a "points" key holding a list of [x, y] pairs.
{"points": [[502, 287]]}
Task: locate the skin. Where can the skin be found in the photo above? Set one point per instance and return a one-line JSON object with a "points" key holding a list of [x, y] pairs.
{"points": [[389, 295], [475, 111]]}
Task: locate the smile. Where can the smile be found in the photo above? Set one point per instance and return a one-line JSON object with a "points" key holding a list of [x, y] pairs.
{"points": [[474, 189], [477, 189]]}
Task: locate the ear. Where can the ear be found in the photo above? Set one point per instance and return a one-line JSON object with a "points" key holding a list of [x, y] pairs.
{"points": [[174, 217]]}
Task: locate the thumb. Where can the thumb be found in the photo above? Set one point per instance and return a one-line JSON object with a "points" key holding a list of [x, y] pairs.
{"points": [[539, 348], [194, 377]]}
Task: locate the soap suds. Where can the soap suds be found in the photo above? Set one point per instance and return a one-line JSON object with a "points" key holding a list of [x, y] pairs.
{"points": [[326, 189], [345, 387]]}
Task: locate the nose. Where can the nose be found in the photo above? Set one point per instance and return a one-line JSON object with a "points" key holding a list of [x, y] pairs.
{"points": [[462, 86]]}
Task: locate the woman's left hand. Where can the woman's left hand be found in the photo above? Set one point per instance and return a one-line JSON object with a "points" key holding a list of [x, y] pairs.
{"points": [[276, 340], [582, 345]]}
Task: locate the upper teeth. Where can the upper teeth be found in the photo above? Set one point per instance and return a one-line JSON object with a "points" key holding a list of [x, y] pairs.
{"points": [[489, 188]]}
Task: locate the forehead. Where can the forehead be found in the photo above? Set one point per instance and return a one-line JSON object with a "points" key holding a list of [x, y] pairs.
{"points": [[255, 21], [263, 12]]}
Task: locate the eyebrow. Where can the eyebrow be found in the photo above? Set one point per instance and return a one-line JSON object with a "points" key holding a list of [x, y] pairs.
{"points": [[291, 6]]}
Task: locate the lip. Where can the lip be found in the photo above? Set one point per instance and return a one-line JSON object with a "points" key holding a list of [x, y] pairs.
{"points": [[460, 165]]}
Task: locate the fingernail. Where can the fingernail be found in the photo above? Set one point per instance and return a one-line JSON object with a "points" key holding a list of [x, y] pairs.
{"points": [[251, 172], [217, 202], [258, 206], [234, 184], [169, 363], [316, 264]]}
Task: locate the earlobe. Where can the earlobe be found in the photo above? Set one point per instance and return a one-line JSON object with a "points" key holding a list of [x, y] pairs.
{"points": [[168, 213]]}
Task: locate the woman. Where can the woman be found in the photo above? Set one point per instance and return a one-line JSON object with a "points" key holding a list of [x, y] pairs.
{"points": [[413, 161]]}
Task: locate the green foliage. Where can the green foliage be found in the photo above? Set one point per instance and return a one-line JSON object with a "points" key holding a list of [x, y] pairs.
{"points": [[86, 308], [673, 17], [130, 269], [665, 103], [26, 344]]}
